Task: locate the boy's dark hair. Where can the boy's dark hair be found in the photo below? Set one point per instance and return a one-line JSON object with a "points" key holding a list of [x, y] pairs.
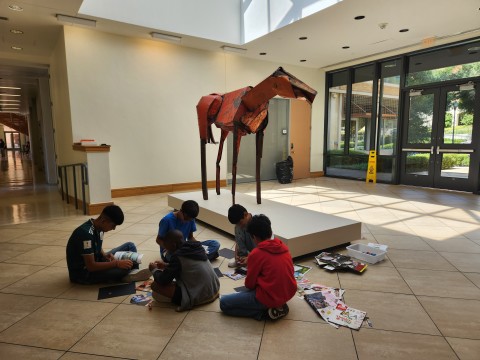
{"points": [[236, 213], [190, 208], [114, 213], [173, 238], [260, 226]]}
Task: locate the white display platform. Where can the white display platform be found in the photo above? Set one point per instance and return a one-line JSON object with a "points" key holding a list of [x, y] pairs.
{"points": [[303, 231]]}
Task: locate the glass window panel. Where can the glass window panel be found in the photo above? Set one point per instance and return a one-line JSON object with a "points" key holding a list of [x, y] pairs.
{"points": [[458, 62], [420, 119], [455, 165], [361, 110], [417, 163], [459, 111], [389, 99], [336, 113]]}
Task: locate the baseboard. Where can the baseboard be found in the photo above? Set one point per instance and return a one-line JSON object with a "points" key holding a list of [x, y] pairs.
{"points": [[316, 174], [156, 189], [92, 209]]}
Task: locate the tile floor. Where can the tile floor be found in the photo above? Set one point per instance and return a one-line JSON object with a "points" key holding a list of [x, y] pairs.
{"points": [[423, 300]]}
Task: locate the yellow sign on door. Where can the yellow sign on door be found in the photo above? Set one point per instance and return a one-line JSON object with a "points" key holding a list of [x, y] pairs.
{"points": [[372, 167]]}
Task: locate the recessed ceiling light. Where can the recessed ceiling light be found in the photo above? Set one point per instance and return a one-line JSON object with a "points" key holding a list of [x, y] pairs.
{"points": [[302, 38], [18, 48], [15, 7], [10, 87], [3, 94], [345, 47], [15, 31], [233, 49], [8, 100], [166, 37], [263, 53], [303, 60], [403, 30], [359, 17]]}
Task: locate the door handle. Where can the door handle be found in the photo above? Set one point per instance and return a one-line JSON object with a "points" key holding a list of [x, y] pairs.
{"points": [[431, 150], [438, 150]]}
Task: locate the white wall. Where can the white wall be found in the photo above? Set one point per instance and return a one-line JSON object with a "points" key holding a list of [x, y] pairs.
{"points": [[210, 19], [140, 96]]}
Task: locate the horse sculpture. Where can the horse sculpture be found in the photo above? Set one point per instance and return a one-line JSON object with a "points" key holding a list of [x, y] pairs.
{"points": [[244, 111]]}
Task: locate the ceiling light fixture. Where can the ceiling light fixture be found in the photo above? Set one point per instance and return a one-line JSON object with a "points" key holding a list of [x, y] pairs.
{"points": [[15, 31], [3, 94], [72, 20], [359, 17], [10, 87], [303, 60], [263, 53], [302, 38], [18, 48], [345, 47], [166, 37], [403, 30], [15, 7], [233, 49], [7, 101]]}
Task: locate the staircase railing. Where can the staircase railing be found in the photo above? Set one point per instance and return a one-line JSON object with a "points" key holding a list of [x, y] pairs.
{"points": [[63, 179]]}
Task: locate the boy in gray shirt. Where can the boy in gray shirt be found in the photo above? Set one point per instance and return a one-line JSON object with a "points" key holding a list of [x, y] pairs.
{"points": [[240, 217]]}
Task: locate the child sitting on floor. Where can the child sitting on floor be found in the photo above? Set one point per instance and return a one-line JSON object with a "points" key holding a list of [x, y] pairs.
{"points": [[188, 278]]}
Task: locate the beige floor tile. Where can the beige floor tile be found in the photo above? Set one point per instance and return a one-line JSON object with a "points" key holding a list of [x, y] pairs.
{"points": [[377, 344], [148, 244], [138, 229], [464, 262], [375, 278], [10, 273], [43, 237], [10, 351], [15, 307], [466, 349], [77, 356], [411, 259], [210, 335], [388, 228], [11, 250], [48, 282], [305, 340], [9, 234], [454, 317], [403, 242], [435, 232], [387, 311], [456, 245], [57, 325], [139, 332], [42, 255], [474, 277], [451, 284]]}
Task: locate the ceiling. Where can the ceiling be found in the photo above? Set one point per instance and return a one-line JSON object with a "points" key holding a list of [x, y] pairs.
{"points": [[429, 23]]}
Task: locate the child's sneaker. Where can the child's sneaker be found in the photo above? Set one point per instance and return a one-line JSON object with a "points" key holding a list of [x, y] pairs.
{"points": [[277, 313], [137, 275]]}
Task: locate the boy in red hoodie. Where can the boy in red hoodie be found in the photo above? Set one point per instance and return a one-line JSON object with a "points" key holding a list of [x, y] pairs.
{"points": [[269, 278]]}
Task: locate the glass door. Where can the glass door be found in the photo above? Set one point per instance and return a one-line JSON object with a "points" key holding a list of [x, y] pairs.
{"points": [[440, 145]]}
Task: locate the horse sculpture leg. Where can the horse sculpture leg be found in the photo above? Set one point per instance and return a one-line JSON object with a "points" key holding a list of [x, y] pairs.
{"points": [[236, 149], [204, 168], [223, 136], [259, 151]]}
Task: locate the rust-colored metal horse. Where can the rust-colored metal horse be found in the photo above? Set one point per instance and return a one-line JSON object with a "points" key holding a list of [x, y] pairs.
{"points": [[244, 111]]}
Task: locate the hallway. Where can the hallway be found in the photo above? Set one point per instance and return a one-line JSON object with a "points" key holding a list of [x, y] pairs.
{"points": [[24, 196]]}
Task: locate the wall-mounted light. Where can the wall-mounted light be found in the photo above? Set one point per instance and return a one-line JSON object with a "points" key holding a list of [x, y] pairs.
{"points": [[72, 20], [233, 49], [166, 37]]}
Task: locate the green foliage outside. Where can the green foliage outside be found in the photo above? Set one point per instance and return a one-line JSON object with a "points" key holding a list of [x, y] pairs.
{"points": [[419, 162]]}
